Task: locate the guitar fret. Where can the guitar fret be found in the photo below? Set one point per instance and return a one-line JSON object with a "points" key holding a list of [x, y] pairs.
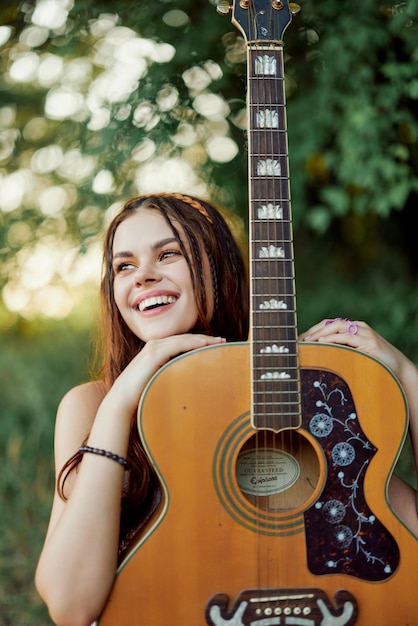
{"points": [[263, 240], [273, 192], [281, 412], [273, 326], [262, 369], [286, 405], [278, 187], [286, 396], [277, 142], [276, 282], [272, 278], [266, 282], [274, 355], [263, 360], [264, 231], [292, 386], [290, 383], [262, 296]]}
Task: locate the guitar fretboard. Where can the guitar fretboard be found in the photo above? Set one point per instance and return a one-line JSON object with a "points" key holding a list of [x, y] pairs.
{"points": [[275, 371]]}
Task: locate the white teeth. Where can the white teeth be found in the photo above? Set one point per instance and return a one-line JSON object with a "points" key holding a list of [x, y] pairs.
{"points": [[156, 300]]}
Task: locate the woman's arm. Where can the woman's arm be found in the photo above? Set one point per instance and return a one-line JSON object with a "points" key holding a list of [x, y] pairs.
{"points": [[403, 498], [77, 565], [78, 562]]}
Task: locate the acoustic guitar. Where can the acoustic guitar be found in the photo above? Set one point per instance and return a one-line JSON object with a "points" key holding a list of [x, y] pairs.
{"points": [[274, 458]]}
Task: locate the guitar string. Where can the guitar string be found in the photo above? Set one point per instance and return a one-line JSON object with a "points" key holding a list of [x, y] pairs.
{"points": [[279, 241], [254, 234], [272, 145], [265, 138], [287, 280], [280, 274]]}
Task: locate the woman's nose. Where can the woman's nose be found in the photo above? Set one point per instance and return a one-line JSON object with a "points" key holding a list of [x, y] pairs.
{"points": [[145, 273]]}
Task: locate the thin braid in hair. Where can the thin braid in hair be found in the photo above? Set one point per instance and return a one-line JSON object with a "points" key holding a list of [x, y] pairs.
{"points": [[214, 282]]}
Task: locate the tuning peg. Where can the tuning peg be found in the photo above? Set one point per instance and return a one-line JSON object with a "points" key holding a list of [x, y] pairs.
{"points": [[294, 8], [224, 7]]}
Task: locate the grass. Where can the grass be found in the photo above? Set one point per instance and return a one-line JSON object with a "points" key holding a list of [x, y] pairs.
{"points": [[37, 366]]}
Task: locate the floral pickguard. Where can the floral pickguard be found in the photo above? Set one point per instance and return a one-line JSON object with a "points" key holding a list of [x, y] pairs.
{"points": [[343, 536]]}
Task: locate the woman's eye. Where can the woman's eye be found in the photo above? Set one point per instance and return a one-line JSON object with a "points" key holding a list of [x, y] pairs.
{"points": [[122, 267], [167, 254]]}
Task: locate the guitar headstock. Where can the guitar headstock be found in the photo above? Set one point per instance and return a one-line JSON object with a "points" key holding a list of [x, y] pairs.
{"points": [[260, 20]]}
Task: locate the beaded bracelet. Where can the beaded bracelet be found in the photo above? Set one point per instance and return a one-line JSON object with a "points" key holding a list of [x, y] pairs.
{"points": [[106, 453]]}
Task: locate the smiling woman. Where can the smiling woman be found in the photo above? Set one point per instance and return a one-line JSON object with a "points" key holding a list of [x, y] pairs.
{"points": [[174, 280]]}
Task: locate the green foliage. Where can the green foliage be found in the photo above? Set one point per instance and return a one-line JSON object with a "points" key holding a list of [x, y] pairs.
{"points": [[38, 364], [352, 105], [352, 121]]}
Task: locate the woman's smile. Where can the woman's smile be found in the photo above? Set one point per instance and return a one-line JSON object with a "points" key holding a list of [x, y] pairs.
{"points": [[155, 300]]}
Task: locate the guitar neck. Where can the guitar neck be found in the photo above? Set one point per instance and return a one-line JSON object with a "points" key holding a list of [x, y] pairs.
{"points": [[276, 385]]}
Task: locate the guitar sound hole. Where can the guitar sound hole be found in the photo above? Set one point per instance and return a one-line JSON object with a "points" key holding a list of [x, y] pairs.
{"points": [[278, 472]]}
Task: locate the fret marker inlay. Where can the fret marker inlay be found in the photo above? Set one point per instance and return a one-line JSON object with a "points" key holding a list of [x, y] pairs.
{"points": [[274, 349], [268, 167], [265, 65], [267, 119], [270, 211], [273, 304], [271, 252], [274, 375]]}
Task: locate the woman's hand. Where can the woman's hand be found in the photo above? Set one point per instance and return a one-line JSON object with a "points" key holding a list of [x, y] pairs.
{"points": [[156, 353], [357, 335]]}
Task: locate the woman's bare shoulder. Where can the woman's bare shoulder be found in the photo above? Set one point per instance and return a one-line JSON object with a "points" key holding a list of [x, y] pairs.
{"points": [[88, 395], [76, 414]]}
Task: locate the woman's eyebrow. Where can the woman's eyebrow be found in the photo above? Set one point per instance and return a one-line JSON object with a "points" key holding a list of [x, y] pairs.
{"points": [[122, 255], [155, 246], [163, 242]]}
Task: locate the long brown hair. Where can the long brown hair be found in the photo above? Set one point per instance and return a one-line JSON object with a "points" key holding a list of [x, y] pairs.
{"points": [[206, 231]]}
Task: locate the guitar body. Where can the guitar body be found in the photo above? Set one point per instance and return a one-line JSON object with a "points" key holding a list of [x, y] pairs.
{"points": [[214, 554]]}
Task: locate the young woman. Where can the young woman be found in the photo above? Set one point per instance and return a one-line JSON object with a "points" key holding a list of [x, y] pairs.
{"points": [[174, 280]]}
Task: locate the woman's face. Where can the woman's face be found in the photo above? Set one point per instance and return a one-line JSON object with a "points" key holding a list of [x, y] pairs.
{"points": [[152, 286]]}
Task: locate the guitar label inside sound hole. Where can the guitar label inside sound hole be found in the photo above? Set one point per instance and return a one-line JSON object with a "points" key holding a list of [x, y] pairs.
{"points": [[266, 471]]}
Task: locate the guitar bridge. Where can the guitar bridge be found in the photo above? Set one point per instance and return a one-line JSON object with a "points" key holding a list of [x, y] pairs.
{"points": [[274, 607]]}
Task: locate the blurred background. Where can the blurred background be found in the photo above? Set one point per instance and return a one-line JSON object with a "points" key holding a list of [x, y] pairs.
{"points": [[101, 100]]}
